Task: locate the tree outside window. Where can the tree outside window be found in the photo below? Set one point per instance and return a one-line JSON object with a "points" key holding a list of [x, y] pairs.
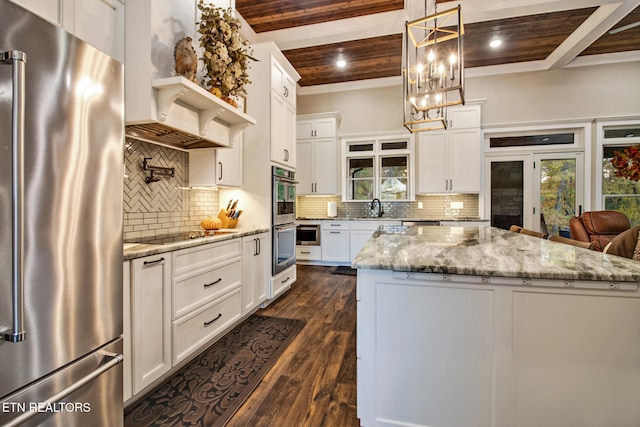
{"points": [[620, 180]]}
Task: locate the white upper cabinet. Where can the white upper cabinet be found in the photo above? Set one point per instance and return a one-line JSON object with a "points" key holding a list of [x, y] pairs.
{"points": [[98, 22], [282, 83], [318, 165], [283, 116], [51, 10], [210, 167], [101, 23], [450, 161], [271, 99], [316, 128]]}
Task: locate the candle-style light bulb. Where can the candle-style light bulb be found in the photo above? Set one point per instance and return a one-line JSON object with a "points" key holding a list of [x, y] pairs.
{"points": [[452, 60], [419, 76]]}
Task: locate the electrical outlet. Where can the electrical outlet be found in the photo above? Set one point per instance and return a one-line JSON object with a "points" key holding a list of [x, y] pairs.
{"points": [[457, 205], [420, 205]]}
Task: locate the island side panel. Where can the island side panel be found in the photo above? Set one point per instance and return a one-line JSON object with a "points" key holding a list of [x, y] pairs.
{"points": [[577, 359], [533, 355], [429, 360]]}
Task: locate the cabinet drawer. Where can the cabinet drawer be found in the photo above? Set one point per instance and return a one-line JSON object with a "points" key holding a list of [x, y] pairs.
{"points": [[191, 259], [313, 253], [194, 330], [334, 225], [283, 281], [371, 225], [197, 290]]}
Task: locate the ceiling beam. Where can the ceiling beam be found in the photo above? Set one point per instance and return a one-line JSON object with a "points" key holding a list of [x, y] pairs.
{"points": [[591, 30], [364, 27]]}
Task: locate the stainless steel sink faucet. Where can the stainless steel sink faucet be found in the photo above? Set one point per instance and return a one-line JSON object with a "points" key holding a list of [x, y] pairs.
{"points": [[380, 210]]}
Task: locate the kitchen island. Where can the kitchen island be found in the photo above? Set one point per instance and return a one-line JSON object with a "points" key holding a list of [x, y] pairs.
{"points": [[477, 326]]}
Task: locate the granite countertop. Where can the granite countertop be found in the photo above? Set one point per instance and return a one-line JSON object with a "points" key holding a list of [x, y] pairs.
{"points": [[384, 218], [137, 250], [488, 251]]}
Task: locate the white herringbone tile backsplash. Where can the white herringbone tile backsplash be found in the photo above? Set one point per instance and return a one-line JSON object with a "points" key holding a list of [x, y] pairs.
{"points": [[163, 207]]}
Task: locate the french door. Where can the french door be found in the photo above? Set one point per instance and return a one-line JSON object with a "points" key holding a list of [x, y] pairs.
{"points": [[558, 189], [539, 191]]}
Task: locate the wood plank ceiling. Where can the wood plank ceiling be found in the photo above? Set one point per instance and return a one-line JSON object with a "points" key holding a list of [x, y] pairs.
{"points": [[526, 38]]}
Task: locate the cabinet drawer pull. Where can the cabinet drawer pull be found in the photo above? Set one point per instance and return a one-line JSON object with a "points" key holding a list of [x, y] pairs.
{"points": [[206, 285], [154, 261], [335, 232], [286, 280], [306, 252], [211, 321]]}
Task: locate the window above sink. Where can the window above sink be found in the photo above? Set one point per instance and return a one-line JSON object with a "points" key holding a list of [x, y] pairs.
{"points": [[378, 167]]}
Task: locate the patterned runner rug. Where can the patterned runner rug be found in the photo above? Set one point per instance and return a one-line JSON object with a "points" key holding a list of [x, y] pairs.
{"points": [[209, 390]]}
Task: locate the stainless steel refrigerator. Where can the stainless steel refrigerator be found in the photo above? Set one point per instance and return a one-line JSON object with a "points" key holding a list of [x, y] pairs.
{"points": [[61, 135]]}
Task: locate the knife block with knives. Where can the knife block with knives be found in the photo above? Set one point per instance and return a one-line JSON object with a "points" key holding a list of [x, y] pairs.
{"points": [[227, 221], [229, 216]]}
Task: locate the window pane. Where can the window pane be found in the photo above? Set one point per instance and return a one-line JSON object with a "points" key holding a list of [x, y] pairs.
{"points": [[394, 189], [393, 173], [507, 194], [557, 193], [400, 145], [361, 168], [361, 147], [612, 184], [622, 133], [620, 193], [394, 166], [630, 205], [521, 141], [361, 189]]}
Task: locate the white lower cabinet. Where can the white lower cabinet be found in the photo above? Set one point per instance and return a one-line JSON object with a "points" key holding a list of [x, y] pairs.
{"points": [[255, 271], [150, 318], [340, 241], [309, 253], [207, 294], [334, 238], [192, 292], [192, 331], [179, 302], [127, 377], [283, 281]]}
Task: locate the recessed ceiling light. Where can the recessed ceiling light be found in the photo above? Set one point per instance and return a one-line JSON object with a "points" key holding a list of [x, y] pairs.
{"points": [[341, 63], [494, 43]]}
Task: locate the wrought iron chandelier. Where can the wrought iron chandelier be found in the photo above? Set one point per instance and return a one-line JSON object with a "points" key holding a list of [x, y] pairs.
{"points": [[433, 68]]}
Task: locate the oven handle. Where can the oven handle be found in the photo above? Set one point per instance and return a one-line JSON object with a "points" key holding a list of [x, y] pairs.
{"points": [[285, 226], [287, 180]]}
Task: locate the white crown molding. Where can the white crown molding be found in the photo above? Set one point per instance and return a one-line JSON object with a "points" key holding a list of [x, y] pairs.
{"points": [[345, 86]]}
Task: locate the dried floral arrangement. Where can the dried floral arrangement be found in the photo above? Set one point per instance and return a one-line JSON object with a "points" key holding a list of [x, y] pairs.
{"points": [[626, 163], [226, 55]]}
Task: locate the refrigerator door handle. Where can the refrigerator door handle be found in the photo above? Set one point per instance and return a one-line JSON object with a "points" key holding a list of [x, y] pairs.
{"points": [[115, 359], [17, 59]]}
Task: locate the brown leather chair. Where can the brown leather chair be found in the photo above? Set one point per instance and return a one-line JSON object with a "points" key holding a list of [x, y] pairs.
{"points": [[599, 227]]}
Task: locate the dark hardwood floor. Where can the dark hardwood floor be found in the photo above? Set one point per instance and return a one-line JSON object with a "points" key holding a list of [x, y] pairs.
{"points": [[314, 382]]}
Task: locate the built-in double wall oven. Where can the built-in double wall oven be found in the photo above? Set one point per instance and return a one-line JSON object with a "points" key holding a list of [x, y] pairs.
{"points": [[283, 219]]}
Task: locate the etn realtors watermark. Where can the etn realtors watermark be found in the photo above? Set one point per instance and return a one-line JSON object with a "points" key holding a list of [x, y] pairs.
{"points": [[57, 407]]}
